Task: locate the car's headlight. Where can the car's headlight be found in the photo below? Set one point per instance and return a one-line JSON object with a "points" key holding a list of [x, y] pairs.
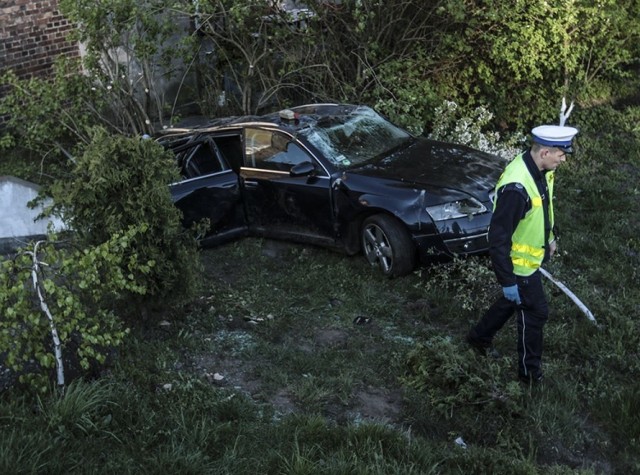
{"points": [[456, 209]]}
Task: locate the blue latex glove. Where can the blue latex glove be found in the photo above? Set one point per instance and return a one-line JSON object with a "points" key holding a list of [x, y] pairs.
{"points": [[511, 293]]}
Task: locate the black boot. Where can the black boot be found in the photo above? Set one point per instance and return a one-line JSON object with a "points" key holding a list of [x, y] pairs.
{"points": [[482, 347]]}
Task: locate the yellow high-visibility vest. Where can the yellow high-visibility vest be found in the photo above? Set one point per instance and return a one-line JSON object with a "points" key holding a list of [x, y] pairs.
{"points": [[528, 240]]}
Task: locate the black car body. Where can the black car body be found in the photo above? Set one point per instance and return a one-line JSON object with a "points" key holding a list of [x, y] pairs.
{"points": [[335, 175]]}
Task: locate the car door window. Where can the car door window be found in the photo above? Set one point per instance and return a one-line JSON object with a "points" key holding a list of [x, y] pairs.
{"points": [[285, 160], [272, 150]]}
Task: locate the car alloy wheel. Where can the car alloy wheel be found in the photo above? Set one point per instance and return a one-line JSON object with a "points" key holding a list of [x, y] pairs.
{"points": [[387, 244]]}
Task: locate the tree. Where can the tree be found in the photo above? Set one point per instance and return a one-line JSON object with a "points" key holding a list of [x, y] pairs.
{"points": [[127, 254], [129, 81], [59, 304], [50, 116], [518, 58], [134, 51], [260, 53]]}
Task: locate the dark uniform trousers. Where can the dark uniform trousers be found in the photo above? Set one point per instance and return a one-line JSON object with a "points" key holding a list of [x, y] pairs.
{"points": [[531, 315]]}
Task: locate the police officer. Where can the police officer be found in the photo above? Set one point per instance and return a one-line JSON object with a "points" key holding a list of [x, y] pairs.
{"points": [[520, 239]]}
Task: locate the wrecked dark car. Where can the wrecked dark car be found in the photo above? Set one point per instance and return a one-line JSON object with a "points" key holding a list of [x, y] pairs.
{"points": [[339, 176]]}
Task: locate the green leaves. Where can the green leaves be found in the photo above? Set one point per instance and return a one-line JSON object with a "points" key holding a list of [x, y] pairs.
{"points": [[519, 57], [49, 115], [119, 184], [128, 252], [527, 54], [454, 381], [79, 288]]}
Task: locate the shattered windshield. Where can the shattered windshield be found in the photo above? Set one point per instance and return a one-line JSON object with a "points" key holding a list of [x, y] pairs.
{"points": [[354, 139]]}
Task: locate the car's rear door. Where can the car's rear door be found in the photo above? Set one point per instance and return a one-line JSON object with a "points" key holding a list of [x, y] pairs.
{"points": [[278, 203], [210, 187]]}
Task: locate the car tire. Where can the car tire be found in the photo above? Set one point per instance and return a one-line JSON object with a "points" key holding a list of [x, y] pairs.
{"points": [[386, 243]]}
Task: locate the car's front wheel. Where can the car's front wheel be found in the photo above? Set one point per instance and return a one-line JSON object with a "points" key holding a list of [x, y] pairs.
{"points": [[386, 243]]}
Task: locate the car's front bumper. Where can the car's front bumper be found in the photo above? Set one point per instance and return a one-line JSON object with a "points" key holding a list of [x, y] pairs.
{"points": [[468, 244], [455, 237], [433, 245]]}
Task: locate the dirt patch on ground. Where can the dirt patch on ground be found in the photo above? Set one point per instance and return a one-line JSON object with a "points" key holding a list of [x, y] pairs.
{"points": [[226, 370], [330, 337], [375, 404], [379, 404]]}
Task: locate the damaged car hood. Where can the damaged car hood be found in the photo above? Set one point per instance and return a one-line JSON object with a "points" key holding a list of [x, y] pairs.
{"points": [[433, 164]]}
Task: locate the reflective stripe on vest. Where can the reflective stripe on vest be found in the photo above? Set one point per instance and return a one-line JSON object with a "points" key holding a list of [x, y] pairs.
{"points": [[528, 240]]}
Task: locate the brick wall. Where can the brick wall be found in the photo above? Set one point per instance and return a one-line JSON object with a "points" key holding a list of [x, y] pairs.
{"points": [[32, 34]]}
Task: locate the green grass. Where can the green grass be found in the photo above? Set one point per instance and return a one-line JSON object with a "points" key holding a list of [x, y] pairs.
{"points": [[304, 388], [307, 390]]}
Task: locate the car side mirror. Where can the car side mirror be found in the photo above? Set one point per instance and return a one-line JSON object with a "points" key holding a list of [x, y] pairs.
{"points": [[302, 169]]}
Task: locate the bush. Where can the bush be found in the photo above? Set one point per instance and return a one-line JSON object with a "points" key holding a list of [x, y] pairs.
{"points": [[120, 183], [453, 382], [467, 284]]}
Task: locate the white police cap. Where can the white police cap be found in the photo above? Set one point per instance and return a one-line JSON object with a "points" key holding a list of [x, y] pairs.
{"points": [[559, 136]]}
